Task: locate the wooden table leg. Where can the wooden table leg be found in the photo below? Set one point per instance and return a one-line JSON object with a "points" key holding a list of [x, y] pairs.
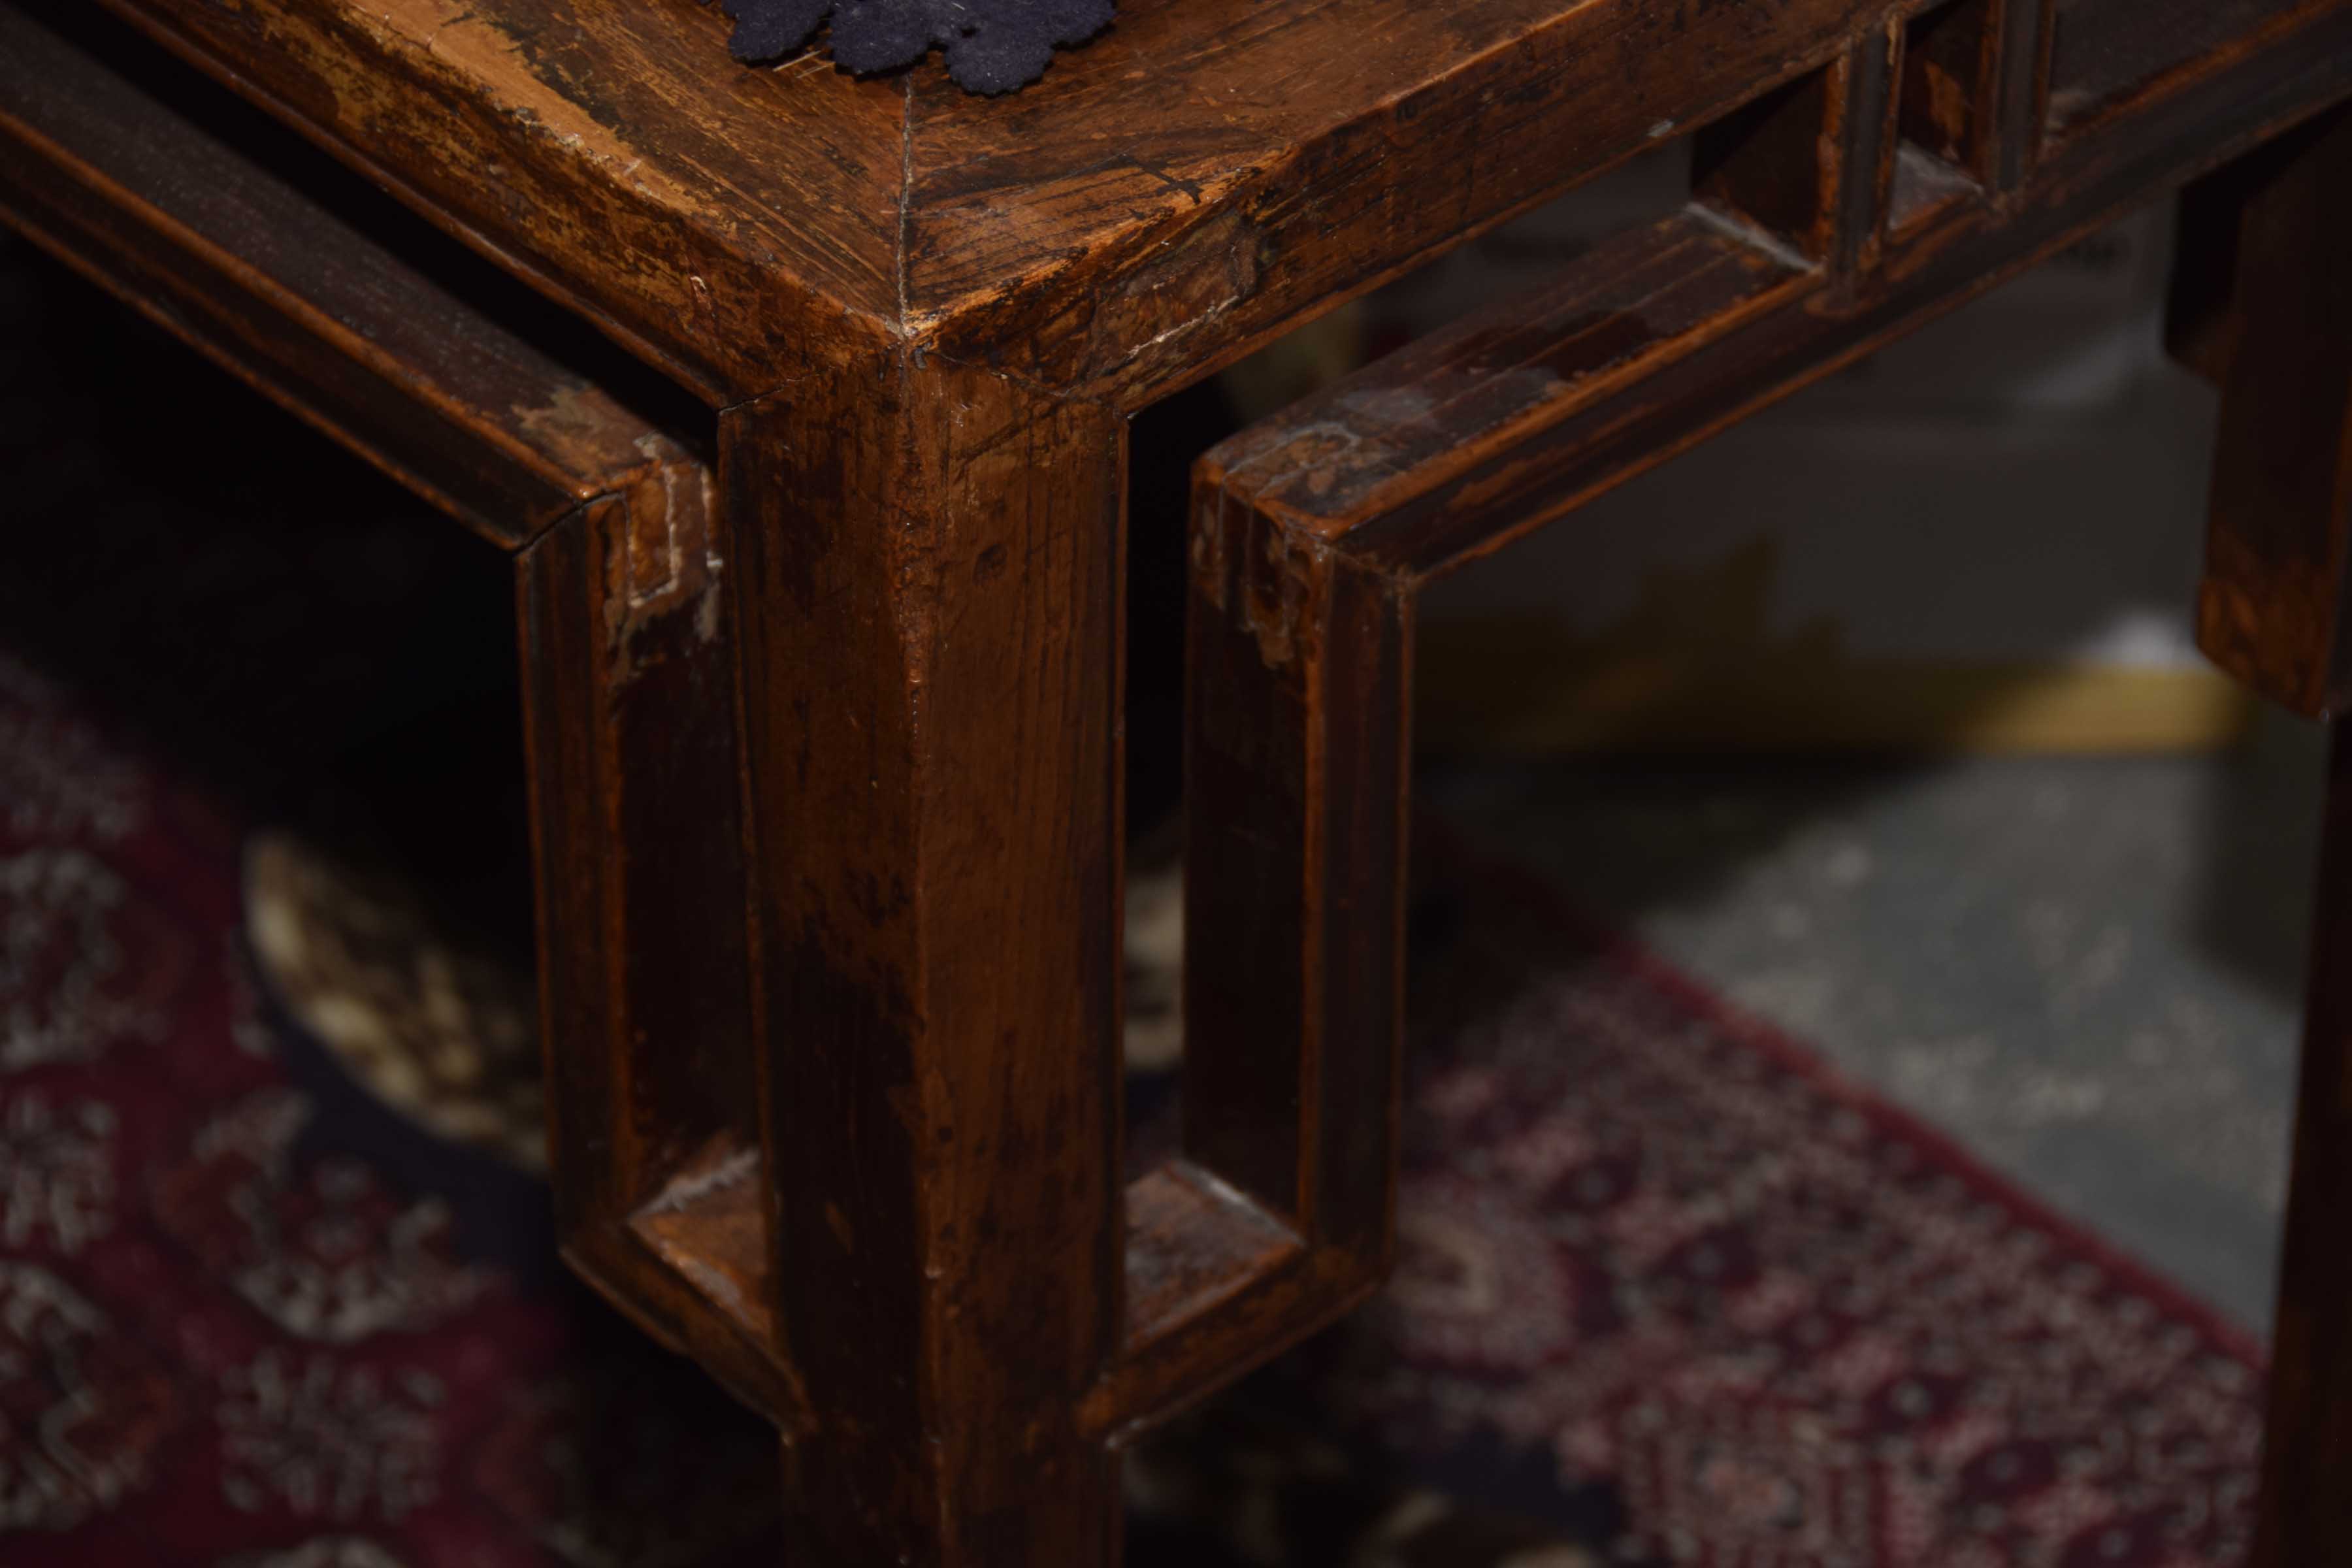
{"points": [[927, 585], [2274, 607], [2274, 613]]}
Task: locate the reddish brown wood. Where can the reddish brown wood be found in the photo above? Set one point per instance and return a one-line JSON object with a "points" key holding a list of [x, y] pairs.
{"points": [[1950, 57], [2111, 57], [1776, 163], [1294, 784], [153, 184], [929, 579], [825, 766], [1467, 439], [1242, 1323], [1417, 459], [2273, 609], [629, 697], [1194, 1244], [1255, 195], [156, 201], [794, 217], [1514, 416], [611, 153]]}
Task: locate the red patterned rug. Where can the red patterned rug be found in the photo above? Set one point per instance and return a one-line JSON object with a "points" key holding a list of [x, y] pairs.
{"points": [[1668, 1279], [1672, 1294], [231, 1331]]}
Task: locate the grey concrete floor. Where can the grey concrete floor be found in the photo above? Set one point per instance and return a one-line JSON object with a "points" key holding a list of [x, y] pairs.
{"points": [[2088, 970]]}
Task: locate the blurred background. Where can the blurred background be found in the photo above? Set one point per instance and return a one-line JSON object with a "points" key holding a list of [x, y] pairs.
{"points": [[1883, 712]]}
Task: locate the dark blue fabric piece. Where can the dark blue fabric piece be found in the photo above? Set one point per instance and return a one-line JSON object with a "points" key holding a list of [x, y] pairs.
{"points": [[993, 45]]}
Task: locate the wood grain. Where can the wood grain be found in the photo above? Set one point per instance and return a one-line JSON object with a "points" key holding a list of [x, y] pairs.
{"points": [[2272, 610], [610, 153], [741, 226], [1867, 131], [1268, 182], [1295, 754], [631, 754], [1194, 1244], [1516, 416], [825, 761], [167, 210], [1765, 164], [1950, 53], [1436, 437], [2112, 55], [930, 577]]}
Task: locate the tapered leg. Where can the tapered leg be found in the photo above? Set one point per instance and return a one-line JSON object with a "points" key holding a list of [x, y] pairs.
{"points": [[927, 587]]}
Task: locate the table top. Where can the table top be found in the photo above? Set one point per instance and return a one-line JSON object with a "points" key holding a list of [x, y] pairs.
{"points": [[1169, 196], [1164, 197]]}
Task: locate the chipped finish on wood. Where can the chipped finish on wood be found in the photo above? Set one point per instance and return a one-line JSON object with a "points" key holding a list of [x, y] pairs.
{"points": [[742, 226], [1948, 56], [621, 611], [1469, 438], [630, 743], [1295, 196], [1776, 163], [1370, 473], [1194, 1244], [1295, 781], [2273, 610], [1195, 1358], [1436, 436], [2303, 1518], [710, 1226]]}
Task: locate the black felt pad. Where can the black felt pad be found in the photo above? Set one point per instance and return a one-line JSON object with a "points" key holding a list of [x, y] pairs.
{"points": [[993, 45]]}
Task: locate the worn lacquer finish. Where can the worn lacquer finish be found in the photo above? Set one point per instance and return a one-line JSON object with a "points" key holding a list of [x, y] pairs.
{"points": [[823, 692]]}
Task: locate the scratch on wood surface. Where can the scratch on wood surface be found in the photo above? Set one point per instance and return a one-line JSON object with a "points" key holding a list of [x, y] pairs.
{"points": [[1259, 567], [691, 1189], [1275, 597], [660, 556], [1200, 276]]}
